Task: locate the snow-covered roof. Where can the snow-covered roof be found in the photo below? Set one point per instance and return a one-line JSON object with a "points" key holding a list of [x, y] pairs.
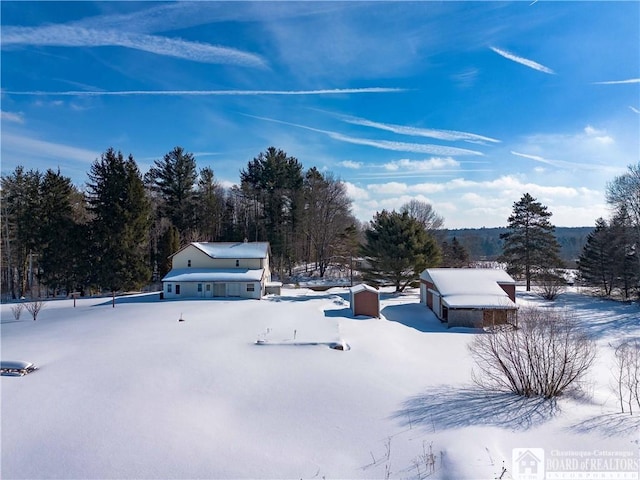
{"points": [[233, 249], [363, 287], [471, 287], [213, 275]]}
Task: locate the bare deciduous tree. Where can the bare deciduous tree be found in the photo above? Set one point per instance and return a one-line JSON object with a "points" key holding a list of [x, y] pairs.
{"points": [[544, 356], [627, 374], [424, 213], [34, 307]]}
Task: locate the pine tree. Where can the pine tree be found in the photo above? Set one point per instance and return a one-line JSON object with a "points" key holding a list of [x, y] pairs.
{"points": [[596, 264], [173, 179], [273, 181], [57, 232], [454, 254], [20, 227], [120, 224], [398, 249], [210, 205], [530, 245], [169, 244]]}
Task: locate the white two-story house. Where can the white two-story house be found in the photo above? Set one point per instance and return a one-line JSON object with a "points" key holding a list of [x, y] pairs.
{"points": [[218, 269]]}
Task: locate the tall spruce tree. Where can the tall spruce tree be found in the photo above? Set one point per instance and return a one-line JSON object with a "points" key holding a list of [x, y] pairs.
{"points": [[273, 182], [596, 265], [398, 249], [57, 229], [210, 205], [530, 246], [120, 223], [173, 179]]}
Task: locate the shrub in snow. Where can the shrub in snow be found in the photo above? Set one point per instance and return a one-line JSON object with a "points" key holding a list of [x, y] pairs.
{"points": [[17, 310], [544, 356], [34, 308], [627, 374], [551, 283]]}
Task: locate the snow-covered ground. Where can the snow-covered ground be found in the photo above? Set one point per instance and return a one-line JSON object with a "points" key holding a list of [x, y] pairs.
{"points": [[131, 392]]}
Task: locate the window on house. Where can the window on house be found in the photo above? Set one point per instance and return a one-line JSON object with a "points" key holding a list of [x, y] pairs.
{"points": [[237, 263], [199, 287], [250, 287], [177, 289], [188, 263], [169, 287], [208, 287]]}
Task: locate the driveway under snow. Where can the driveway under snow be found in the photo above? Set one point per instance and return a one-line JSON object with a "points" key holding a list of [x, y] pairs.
{"points": [[251, 389]]}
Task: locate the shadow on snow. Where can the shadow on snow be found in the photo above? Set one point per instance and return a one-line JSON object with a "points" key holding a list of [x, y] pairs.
{"points": [[445, 408]]}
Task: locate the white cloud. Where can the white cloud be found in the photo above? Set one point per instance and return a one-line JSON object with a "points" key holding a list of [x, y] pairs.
{"points": [[98, 93], [526, 62], [30, 147], [404, 146], [421, 165], [634, 109], [451, 135], [618, 82], [356, 193], [350, 164], [599, 136], [389, 188], [12, 117], [74, 36]]}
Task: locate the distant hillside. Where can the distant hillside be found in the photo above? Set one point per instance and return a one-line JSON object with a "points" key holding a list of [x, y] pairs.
{"points": [[485, 243]]}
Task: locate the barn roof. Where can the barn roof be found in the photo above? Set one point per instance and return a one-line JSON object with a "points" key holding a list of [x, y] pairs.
{"points": [[471, 287], [232, 249], [213, 275]]}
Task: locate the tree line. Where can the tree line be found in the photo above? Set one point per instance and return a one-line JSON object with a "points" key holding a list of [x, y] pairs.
{"points": [[119, 232]]}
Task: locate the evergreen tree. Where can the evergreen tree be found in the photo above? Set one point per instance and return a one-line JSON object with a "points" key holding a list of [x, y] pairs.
{"points": [[530, 245], [173, 178], [596, 264], [454, 254], [210, 205], [20, 228], [169, 244], [398, 249], [273, 181], [120, 224], [625, 253], [57, 231]]}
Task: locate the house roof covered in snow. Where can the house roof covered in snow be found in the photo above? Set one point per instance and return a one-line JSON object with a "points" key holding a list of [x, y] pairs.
{"points": [[213, 275], [362, 288], [471, 287], [232, 249]]}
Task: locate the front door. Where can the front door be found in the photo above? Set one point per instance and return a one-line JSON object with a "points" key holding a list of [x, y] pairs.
{"points": [[219, 289], [208, 290], [234, 289]]}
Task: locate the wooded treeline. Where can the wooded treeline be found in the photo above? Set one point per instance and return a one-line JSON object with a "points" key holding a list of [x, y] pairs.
{"points": [[117, 233]]}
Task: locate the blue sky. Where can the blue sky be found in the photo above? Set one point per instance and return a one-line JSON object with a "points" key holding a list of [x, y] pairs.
{"points": [[466, 105]]}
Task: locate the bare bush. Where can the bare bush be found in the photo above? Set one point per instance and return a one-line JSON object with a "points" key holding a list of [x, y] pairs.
{"points": [[627, 374], [551, 284], [17, 310], [34, 307], [544, 356]]}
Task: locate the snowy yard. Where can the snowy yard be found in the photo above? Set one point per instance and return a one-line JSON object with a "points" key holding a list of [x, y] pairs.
{"points": [[131, 392]]}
